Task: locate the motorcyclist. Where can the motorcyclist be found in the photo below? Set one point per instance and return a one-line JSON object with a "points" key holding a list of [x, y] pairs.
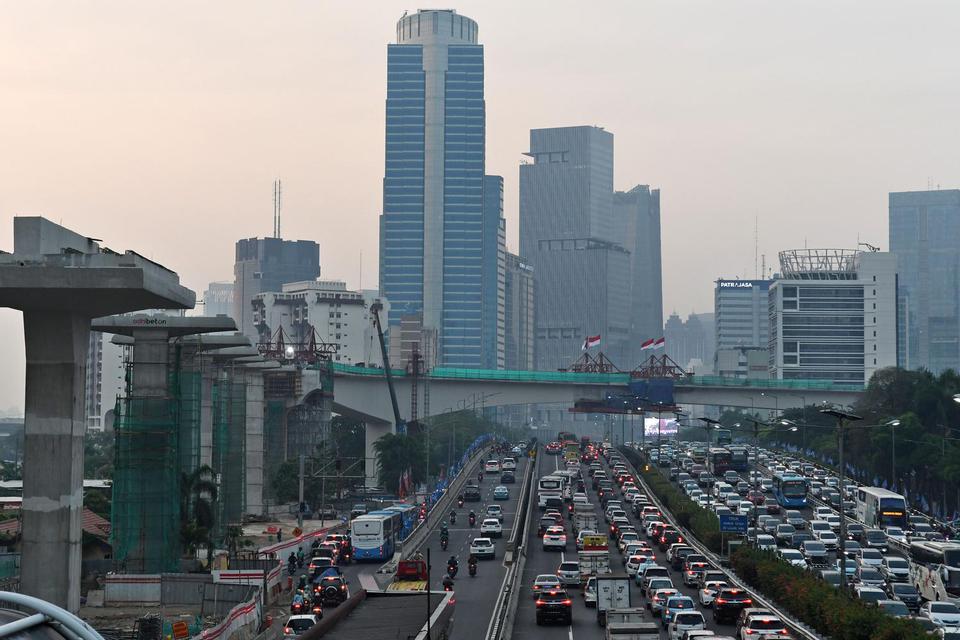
{"points": [[298, 603], [447, 583], [472, 564], [472, 517], [300, 556], [480, 476], [453, 516], [452, 565], [292, 562], [460, 500], [443, 530]]}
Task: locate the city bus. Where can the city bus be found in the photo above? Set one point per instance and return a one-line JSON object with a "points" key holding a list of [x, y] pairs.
{"points": [[723, 436], [790, 490], [409, 517], [374, 535], [738, 458], [879, 508], [935, 569], [549, 487], [718, 461]]}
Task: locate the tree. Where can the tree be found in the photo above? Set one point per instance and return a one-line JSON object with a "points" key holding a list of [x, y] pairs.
{"points": [[198, 494]]}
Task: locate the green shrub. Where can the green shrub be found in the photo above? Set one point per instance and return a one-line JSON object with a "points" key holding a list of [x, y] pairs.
{"points": [[817, 604]]}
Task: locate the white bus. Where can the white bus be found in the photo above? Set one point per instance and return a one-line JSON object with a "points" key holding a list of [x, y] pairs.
{"points": [[879, 508], [549, 487], [935, 569]]}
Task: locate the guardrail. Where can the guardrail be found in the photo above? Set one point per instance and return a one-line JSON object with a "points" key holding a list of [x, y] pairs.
{"points": [[501, 620], [795, 625]]}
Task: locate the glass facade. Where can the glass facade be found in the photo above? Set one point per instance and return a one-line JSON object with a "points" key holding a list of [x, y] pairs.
{"points": [[925, 237], [442, 229]]}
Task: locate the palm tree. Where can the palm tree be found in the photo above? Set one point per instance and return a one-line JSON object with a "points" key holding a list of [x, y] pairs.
{"points": [[198, 493]]}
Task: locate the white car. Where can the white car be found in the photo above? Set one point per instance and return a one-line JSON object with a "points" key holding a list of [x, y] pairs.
{"points": [[870, 558], [590, 592], [545, 582], [298, 625], [634, 563], [494, 511], [491, 466], [833, 520], [569, 572], [828, 538], [508, 464], [823, 512], [710, 590], [896, 534], [483, 548], [766, 485], [942, 614], [555, 538], [763, 627], [491, 527], [686, 621], [794, 557]]}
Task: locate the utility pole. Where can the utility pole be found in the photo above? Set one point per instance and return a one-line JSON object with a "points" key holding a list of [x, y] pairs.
{"points": [[841, 415]]}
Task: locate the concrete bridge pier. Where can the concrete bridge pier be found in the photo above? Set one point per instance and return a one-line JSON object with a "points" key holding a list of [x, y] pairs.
{"points": [[61, 280], [373, 431]]}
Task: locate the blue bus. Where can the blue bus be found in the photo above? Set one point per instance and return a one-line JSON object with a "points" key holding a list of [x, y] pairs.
{"points": [[723, 436], [409, 516], [374, 536], [739, 458], [790, 490]]}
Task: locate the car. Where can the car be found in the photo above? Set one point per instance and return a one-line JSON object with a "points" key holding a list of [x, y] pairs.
{"points": [[590, 592], [894, 608], [728, 604], [674, 605], [756, 497], [868, 557], [869, 576], [483, 548], [710, 590], [677, 554], [299, 624], [895, 569], [942, 614], [501, 493], [685, 621], [649, 573], [821, 512], [554, 448], [491, 527], [508, 464], [906, 593], [833, 520], [893, 534], [508, 477], [555, 538], [766, 485], [868, 594], [658, 600], [692, 572], [491, 466], [545, 582], [554, 606], [828, 539], [763, 626], [771, 506], [793, 557], [331, 590], [496, 511], [636, 561], [784, 534], [748, 613], [569, 572]]}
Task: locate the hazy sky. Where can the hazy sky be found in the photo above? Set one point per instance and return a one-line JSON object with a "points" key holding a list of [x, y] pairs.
{"points": [[160, 127]]}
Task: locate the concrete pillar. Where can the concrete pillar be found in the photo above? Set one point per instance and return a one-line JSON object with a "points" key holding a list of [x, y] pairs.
{"points": [[254, 441], [208, 375], [150, 357], [54, 427], [372, 433]]}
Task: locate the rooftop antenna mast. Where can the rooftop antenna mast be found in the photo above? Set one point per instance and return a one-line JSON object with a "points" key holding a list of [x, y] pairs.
{"points": [[756, 246], [277, 205]]}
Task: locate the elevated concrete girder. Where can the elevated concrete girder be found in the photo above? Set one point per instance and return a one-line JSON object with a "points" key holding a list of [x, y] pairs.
{"points": [[61, 280]]}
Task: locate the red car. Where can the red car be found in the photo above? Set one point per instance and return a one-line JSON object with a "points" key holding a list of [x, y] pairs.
{"points": [[554, 448]]}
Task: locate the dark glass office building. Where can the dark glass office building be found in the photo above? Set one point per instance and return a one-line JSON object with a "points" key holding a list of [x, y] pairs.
{"points": [[441, 245]]}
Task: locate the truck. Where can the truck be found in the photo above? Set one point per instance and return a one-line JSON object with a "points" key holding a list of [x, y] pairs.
{"points": [[585, 518], [594, 557], [411, 576], [632, 631], [613, 592]]}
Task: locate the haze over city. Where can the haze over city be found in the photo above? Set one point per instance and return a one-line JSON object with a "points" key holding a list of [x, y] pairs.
{"points": [[162, 128]]}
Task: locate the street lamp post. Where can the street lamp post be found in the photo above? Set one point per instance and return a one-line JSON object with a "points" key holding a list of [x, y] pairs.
{"points": [[893, 452], [710, 425], [842, 416]]}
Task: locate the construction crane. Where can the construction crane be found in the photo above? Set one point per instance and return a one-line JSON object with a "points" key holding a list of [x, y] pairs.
{"points": [[375, 309]]}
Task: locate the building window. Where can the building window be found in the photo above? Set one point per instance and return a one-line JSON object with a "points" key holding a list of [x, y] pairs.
{"points": [[789, 292], [436, 22]]}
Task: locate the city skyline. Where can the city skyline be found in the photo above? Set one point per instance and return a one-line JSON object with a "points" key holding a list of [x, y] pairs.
{"points": [[191, 128]]}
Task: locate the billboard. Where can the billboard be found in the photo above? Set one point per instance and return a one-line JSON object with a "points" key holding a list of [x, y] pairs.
{"points": [[668, 427]]}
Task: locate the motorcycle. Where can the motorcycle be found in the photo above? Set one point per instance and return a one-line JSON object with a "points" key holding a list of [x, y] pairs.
{"points": [[447, 584], [473, 520], [443, 543], [460, 502], [453, 518], [452, 570], [472, 569]]}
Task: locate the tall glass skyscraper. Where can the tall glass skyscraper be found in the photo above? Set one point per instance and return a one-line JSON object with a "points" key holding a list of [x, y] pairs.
{"points": [[441, 244], [925, 237]]}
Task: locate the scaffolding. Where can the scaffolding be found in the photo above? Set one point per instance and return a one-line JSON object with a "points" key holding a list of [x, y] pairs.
{"points": [[229, 450], [145, 520], [185, 387], [274, 442]]}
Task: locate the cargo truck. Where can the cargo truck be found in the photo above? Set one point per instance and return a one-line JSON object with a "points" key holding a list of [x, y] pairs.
{"points": [[613, 592], [594, 557], [585, 518]]}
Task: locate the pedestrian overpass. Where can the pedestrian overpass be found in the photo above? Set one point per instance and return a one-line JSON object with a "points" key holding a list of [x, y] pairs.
{"points": [[362, 393]]}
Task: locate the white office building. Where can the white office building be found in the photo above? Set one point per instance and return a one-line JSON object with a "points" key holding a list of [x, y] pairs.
{"points": [[339, 317], [833, 315], [743, 328]]}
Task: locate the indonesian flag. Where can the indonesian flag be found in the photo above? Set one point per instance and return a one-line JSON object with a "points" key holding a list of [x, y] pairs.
{"points": [[647, 344], [658, 343], [590, 341]]}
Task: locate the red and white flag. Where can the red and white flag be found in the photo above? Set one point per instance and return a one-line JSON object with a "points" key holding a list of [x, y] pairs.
{"points": [[590, 341], [646, 344], [659, 342]]}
